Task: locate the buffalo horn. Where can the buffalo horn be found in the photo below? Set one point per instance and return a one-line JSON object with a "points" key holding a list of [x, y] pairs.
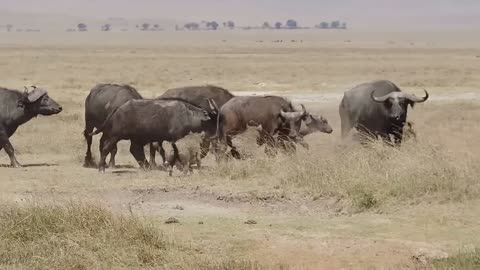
{"points": [[416, 99], [36, 94], [379, 99]]}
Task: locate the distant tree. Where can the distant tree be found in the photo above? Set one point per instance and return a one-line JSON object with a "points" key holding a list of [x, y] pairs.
{"points": [[230, 24], [266, 25], [145, 26], [156, 27], [278, 25], [291, 24], [335, 25], [106, 27], [82, 27], [9, 27], [177, 28], [192, 26], [212, 25], [324, 25], [344, 25]]}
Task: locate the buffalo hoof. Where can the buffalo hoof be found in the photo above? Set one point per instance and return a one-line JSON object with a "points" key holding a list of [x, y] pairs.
{"points": [[157, 167], [88, 163], [235, 154], [153, 166], [17, 165]]}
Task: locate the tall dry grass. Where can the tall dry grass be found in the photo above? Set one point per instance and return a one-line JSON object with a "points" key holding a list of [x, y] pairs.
{"points": [[81, 236], [77, 236], [467, 260], [441, 165]]}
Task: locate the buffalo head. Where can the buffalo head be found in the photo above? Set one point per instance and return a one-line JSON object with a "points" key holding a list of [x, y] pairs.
{"points": [[292, 121], [316, 123], [37, 101], [396, 104]]}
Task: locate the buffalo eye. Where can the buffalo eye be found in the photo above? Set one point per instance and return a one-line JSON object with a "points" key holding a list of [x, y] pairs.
{"points": [[388, 103]]}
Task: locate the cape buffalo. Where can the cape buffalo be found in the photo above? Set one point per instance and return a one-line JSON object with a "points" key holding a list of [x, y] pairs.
{"points": [[312, 124], [275, 115], [199, 96], [377, 108], [146, 121], [17, 108], [100, 103]]}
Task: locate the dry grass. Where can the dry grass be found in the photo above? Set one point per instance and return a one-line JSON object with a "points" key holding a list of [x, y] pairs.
{"points": [[468, 260], [439, 170], [77, 237], [80, 236]]}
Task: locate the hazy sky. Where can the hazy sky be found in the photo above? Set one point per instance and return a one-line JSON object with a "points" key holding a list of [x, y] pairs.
{"points": [[254, 11]]}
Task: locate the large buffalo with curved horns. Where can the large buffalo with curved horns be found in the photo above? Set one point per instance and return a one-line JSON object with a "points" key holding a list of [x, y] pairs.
{"points": [[377, 108], [17, 108]]}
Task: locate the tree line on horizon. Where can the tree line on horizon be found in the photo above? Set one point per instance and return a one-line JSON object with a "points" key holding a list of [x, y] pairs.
{"points": [[290, 24]]}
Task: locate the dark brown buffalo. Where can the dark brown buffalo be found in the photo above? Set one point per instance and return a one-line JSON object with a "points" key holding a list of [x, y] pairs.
{"points": [[377, 108], [100, 103], [146, 121], [17, 108], [275, 114], [197, 95]]}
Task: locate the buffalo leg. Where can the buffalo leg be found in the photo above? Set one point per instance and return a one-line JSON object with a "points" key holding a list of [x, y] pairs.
{"points": [[113, 153], [153, 149], [346, 124], [204, 147], [88, 162], [161, 151], [136, 149], [234, 150], [108, 144], [346, 127], [101, 145], [176, 159], [10, 151]]}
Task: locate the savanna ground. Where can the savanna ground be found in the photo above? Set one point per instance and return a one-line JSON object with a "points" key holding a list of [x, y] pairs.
{"points": [[336, 205]]}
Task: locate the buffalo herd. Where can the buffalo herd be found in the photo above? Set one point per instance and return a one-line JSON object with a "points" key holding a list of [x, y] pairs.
{"points": [[119, 112]]}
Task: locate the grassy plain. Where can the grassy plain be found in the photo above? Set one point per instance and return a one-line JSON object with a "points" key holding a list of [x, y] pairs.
{"points": [[336, 205]]}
